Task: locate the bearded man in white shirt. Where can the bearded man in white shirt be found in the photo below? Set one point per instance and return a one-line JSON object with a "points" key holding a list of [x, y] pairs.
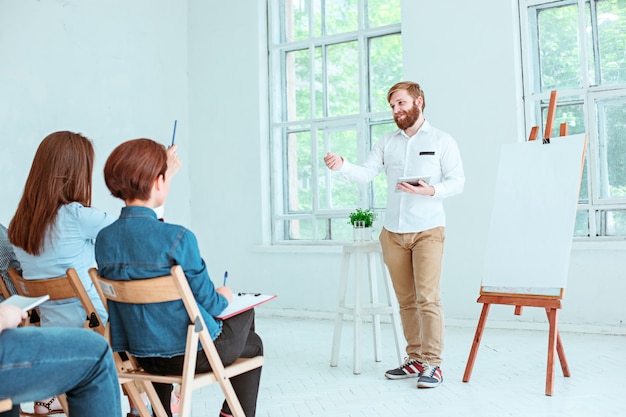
{"points": [[412, 237]]}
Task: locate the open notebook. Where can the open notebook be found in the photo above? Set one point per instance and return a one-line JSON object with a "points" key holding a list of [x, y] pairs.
{"points": [[25, 303], [244, 301]]}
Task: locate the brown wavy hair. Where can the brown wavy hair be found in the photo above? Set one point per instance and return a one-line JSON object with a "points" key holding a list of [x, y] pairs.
{"points": [[60, 174], [132, 167]]}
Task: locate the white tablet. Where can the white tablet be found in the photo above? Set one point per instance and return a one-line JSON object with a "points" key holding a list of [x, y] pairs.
{"points": [[411, 180]]}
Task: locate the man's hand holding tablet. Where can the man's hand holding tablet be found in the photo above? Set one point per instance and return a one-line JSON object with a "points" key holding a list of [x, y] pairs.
{"points": [[414, 185]]}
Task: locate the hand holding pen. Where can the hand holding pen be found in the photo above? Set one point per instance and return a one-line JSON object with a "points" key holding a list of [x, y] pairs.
{"points": [[173, 163], [224, 290]]}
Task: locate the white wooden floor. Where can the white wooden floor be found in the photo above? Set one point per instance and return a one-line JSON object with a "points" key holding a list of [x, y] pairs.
{"points": [[508, 377]]}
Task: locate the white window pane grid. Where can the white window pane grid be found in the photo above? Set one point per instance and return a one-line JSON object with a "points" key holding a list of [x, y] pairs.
{"points": [[591, 101], [321, 59]]}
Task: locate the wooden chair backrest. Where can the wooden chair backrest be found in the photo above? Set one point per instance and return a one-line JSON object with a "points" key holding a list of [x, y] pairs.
{"points": [[4, 290], [60, 288], [158, 290]]}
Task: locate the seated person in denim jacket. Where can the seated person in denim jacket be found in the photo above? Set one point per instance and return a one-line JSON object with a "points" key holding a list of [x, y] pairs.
{"points": [[138, 246]]}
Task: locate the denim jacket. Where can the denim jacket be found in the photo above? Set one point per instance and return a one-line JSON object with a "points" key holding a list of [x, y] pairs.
{"points": [[138, 246]]}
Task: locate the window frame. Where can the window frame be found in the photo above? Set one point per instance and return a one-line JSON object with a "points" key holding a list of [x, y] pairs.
{"points": [[280, 127], [592, 94]]}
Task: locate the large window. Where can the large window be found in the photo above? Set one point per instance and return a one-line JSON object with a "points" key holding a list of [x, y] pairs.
{"points": [[578, 47], [332, 62]]}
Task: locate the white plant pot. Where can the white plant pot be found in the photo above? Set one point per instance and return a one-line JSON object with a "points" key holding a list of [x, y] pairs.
{"points": [[362, 233]]}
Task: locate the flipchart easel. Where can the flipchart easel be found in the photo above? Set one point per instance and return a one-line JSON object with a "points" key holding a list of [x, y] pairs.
{"points": [[551, 303]]}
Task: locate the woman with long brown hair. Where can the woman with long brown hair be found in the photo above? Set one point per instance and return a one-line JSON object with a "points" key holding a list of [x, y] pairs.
{"points": [[55, 227]]}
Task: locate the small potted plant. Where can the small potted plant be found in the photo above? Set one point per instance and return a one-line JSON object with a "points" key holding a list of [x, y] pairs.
{"points": [[362, 221]]}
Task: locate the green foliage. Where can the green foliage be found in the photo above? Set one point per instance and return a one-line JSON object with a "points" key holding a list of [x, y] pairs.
{"points": [[366, 216], [560, 48], [383, 12]]}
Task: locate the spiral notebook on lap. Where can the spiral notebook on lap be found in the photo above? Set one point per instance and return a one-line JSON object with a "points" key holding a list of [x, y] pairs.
{"points": [[244, 301]]}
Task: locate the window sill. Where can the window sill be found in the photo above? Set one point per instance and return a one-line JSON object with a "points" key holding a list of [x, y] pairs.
{"points": [[599, 244], [337, 247], [300, 247]]}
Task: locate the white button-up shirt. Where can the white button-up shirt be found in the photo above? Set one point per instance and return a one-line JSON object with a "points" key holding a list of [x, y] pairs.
{"points": [[429, 153]]}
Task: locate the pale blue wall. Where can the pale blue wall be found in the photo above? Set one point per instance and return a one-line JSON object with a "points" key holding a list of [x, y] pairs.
{"points": [[112, 70], [116, 70], [467, 66]]}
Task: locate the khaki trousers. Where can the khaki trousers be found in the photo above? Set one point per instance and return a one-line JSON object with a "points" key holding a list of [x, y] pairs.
{"points": [[414, 263]]}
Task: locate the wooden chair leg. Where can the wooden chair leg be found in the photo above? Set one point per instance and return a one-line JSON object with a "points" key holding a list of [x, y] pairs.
{"points": [[186, 388], [63, 400], [155, 401]]}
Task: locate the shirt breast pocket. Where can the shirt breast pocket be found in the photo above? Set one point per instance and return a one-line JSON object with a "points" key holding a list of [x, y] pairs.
{"points": [[428, 160], [427, 163]]}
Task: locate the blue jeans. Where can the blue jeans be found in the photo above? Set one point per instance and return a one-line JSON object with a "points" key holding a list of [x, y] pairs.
{"points": [[37, 362]]}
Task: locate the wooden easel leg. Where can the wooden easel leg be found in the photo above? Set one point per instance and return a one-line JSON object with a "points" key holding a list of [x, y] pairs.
{"points": [[560, 351], [552, 343], [476, 343]]}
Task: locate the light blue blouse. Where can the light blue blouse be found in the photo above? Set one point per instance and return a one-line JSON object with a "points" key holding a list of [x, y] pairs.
{"points": [[70, 244]]}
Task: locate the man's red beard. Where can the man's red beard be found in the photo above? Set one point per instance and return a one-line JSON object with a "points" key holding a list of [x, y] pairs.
{"points": [[410, 118]]}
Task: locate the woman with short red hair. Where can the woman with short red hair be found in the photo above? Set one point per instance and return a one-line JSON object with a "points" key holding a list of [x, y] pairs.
{"points": [[138, 246]]}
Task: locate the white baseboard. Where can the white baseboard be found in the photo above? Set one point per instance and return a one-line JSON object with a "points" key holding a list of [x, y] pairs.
{"points": [[599, 329]]}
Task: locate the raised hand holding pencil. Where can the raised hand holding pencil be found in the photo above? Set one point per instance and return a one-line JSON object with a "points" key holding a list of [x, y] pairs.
{"points": [[173, 162], [174, 133]]}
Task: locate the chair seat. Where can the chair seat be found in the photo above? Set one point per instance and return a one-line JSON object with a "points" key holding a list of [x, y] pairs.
{"points": [[240, 366]]}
